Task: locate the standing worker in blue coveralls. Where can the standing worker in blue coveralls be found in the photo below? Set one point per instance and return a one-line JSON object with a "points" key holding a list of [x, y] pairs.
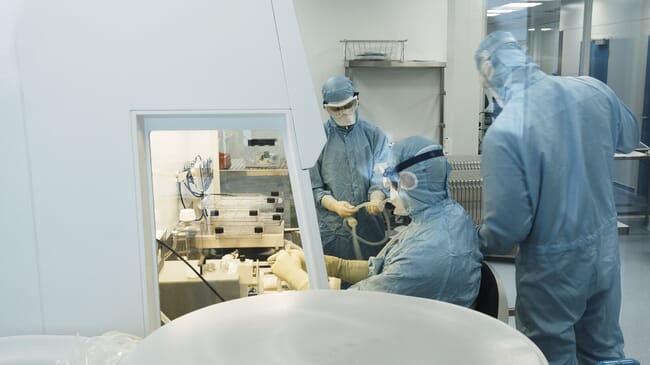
{"points": [[548, 187], [345, 174]]}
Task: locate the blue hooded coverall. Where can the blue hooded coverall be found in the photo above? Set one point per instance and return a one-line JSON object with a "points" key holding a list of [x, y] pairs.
{"points": [[346, 170], [438, 255], [548, 187]]}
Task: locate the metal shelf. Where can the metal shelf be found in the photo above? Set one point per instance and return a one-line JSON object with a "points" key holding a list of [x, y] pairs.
{"points": [[640, 153], [389, 54], [394, 64], [239, 168], [634, 155], [257, 172]]}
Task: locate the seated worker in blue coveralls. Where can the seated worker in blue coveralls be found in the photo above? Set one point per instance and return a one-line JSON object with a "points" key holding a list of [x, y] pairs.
{"points": [[436, 256]]}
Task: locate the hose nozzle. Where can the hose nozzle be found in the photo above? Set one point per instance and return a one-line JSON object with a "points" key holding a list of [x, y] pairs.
{"points": [[351, 221]]}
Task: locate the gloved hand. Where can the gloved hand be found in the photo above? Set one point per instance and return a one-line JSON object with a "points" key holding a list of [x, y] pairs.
{"points": [[342, 208], [292, 252], [288, 268], [351, 271], [376, 203]]}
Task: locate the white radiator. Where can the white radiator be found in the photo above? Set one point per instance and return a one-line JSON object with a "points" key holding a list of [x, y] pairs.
{"points": [[466, 185]]}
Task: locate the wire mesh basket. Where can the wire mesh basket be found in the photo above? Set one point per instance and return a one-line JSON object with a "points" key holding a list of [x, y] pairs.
{"points": [[374, 50]]}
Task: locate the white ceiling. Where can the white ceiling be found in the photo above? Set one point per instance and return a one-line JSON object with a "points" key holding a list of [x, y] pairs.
{"points": [[547, 14]]}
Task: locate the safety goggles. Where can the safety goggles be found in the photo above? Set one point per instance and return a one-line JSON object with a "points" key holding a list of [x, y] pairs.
{"points": [[396, 177], [337, 108]]}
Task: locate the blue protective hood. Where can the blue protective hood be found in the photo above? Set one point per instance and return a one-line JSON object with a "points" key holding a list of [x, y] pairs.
{"points": [[337, 90], [506, 63], [431, 174]]}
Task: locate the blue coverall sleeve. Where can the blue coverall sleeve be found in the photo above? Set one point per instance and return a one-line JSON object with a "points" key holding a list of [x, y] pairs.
{"points": [[393, 278], [318, 187], [625, 128], [507, 207], [410, 272], [628, 130], [380, 155]]}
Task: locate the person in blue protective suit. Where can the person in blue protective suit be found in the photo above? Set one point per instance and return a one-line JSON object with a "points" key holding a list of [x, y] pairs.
{"points": [[436, 256], [345, 175], [548, 187]]}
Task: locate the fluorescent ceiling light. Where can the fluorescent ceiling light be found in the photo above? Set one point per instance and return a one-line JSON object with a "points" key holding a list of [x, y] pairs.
{"points": [[511, 7], [500, 11], [492, 14], [520, 5], [531, 29], [545, 29]]}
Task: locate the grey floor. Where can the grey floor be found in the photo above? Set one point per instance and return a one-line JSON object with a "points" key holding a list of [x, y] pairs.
{"points": [[635, 277]]}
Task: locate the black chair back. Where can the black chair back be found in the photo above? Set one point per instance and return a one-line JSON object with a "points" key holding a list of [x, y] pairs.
{"points": [[487, 301]]}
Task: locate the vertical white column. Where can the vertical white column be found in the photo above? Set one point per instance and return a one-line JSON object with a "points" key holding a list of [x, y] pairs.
{"points": [[586, 38]]}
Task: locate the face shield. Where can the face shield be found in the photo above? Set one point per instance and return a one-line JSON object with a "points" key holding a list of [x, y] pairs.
{"points": [[486, 70], [404, 180], [392, 184], [397, 178], [397, 202]]}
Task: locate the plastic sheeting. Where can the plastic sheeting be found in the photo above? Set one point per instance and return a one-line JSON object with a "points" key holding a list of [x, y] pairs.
{"points": [[107, 349]]}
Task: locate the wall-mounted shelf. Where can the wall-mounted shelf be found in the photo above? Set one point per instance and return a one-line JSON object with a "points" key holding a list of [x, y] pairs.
{"points": [[389, 54], [394, 64]]}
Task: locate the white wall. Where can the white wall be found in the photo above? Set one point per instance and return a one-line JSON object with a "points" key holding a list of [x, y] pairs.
{"points": [[571, 16], [20, 310], [543, 48], [83, 69], [625, 25], [170, 150], [402, 102], [464, 92]]}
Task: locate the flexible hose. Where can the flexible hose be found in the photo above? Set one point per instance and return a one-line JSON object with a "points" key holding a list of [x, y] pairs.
{"points": [[352, 224], [363, 205], [381, 241], [363, 240]]}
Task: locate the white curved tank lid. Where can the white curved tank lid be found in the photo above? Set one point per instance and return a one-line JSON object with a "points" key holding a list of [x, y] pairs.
{"points": [[335, 327]]}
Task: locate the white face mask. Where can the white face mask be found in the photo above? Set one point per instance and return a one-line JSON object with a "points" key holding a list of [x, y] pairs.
{"points": [[397, 202], [345, 117]]}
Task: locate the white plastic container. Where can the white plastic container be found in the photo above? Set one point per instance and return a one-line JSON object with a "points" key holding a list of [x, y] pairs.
{"points": [[263, 153], [187, 232]]}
